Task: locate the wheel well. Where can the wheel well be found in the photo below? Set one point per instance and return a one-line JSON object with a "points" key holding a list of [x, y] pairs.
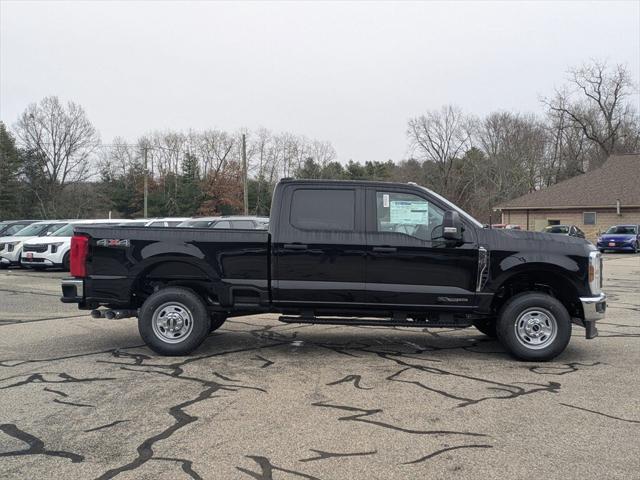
{"points": [[162, 275], [547, 282]]}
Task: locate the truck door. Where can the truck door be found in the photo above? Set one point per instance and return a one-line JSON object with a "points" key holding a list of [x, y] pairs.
{"points": [[318, 247], [407, 263]]}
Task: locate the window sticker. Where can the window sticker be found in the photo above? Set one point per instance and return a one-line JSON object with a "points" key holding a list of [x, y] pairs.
{"points": [[385, 200], [409, 212]]}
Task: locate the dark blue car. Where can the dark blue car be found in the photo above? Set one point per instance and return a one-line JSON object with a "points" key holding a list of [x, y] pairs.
{"points": [[621, 238]]}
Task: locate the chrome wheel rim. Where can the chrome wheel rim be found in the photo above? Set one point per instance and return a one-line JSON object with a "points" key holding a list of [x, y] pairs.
{"points": [[172, 322], [536, 328]]}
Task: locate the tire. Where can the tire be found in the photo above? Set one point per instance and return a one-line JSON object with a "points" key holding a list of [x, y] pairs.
{"points": [[486, 326], [534, 326], [174, 307], [66, 262], [217, 320], [601, 250]]}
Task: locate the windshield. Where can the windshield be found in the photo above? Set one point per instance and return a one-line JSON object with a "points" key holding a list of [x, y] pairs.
{"points": [[557, 229], [453, 207], [37, 229], [623, 230]]}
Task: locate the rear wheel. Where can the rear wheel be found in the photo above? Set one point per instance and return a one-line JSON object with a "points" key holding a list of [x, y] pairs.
{"points": [[534, 326], [174, 321], [486, 326]]}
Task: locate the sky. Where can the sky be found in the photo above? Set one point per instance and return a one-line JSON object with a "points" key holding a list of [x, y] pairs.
{"points": [[352, 73]]}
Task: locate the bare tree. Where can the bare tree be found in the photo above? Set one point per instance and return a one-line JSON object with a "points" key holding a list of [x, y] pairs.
{"points": [[64, 139], [440, 136], [596, 102]]}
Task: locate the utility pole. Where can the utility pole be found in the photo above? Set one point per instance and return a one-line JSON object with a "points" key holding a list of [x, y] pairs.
{"points": [[244, 174], [146, 180]]}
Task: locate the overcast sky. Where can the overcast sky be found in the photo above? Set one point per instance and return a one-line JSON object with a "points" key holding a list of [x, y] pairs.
{"points": [[350, 73]]}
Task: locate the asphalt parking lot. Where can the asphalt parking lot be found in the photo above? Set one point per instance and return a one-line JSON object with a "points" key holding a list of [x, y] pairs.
{"points": [[82, 398]]}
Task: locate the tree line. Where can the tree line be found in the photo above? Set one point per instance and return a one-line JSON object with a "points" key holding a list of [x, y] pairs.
{"points": [[53, 164]]}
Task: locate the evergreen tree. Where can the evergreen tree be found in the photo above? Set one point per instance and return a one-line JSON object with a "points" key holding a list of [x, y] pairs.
{"points": [[190, 189], [10, 167]]}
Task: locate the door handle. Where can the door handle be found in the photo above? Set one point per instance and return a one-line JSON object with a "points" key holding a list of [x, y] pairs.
{"points": [[385, 249], [295, 246]]}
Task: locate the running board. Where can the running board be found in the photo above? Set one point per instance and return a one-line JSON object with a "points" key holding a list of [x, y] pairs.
{"points": [[368, 322]]}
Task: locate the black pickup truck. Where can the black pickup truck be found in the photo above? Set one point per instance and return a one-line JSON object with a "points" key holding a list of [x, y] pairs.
{"points": [[345, 253]]}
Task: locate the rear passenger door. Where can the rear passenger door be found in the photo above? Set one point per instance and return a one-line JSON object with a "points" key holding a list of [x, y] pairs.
{"points": [[319, 247]]}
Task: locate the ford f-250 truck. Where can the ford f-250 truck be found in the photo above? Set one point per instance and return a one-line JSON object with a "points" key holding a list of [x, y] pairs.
{"points": [[345, 253]]}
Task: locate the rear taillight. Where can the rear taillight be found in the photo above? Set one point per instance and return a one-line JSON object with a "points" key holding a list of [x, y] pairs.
{"points": [[78, 257]]}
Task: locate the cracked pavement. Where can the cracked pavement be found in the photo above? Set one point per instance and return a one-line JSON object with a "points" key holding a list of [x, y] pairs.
{"points": [[83, 398]]}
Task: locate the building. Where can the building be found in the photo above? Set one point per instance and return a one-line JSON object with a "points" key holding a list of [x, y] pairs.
{"points": [[609, 195]]}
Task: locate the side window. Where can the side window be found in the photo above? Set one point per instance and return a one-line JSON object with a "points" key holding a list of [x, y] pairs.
{"points": [[243, 224], [157, 224], [222, 224], [331, 210], [406, 213]]}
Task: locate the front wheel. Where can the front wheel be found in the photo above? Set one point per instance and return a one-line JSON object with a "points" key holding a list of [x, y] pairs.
{"points": [[174, 321], [534, 326]]}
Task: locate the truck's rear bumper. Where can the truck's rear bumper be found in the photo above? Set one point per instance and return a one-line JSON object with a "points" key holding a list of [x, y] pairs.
{"points": [[72, 290]]}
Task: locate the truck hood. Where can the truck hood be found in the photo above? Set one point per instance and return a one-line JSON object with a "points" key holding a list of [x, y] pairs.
{"points": [[515, 240]]}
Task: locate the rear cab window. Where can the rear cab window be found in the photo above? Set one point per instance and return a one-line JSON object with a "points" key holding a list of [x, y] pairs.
{"points": [[325, 210]]}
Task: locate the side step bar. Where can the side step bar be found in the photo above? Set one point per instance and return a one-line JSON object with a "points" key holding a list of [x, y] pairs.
{"points": [[368, 322]]}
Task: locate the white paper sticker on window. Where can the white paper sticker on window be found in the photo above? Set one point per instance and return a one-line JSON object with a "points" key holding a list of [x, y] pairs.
{"points": [[385, 200], [408, 212]]}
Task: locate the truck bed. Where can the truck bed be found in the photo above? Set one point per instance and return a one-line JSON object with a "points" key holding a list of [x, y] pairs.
{"points": [[229, 266]]}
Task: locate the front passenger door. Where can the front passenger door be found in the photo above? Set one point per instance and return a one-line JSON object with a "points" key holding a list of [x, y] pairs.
{"points": [[407, 265]]}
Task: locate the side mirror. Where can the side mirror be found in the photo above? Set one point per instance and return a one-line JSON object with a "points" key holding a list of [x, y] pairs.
{"points": [[452, 226]]}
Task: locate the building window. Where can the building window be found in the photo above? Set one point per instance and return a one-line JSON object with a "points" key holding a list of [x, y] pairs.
{"points": [[589, 218], [553, 222]]}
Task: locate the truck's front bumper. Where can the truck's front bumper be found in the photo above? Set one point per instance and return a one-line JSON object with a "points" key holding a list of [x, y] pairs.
{"points": [[594, 309], [72, 290]]}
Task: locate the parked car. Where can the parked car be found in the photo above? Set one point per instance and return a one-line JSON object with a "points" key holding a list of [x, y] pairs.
{"points": [[570, 230], [166, 222], [52, 251], [9, 227], [11, 246], [231, 222], [398, 254], [620, 238], [507, 226], [153, 222]]}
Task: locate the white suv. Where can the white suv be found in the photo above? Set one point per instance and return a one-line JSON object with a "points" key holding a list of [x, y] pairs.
{"points": [[11, 247], [53, 251]]}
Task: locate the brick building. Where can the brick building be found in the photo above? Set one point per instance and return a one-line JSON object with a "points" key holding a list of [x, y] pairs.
{"points": [[609, 195]]}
